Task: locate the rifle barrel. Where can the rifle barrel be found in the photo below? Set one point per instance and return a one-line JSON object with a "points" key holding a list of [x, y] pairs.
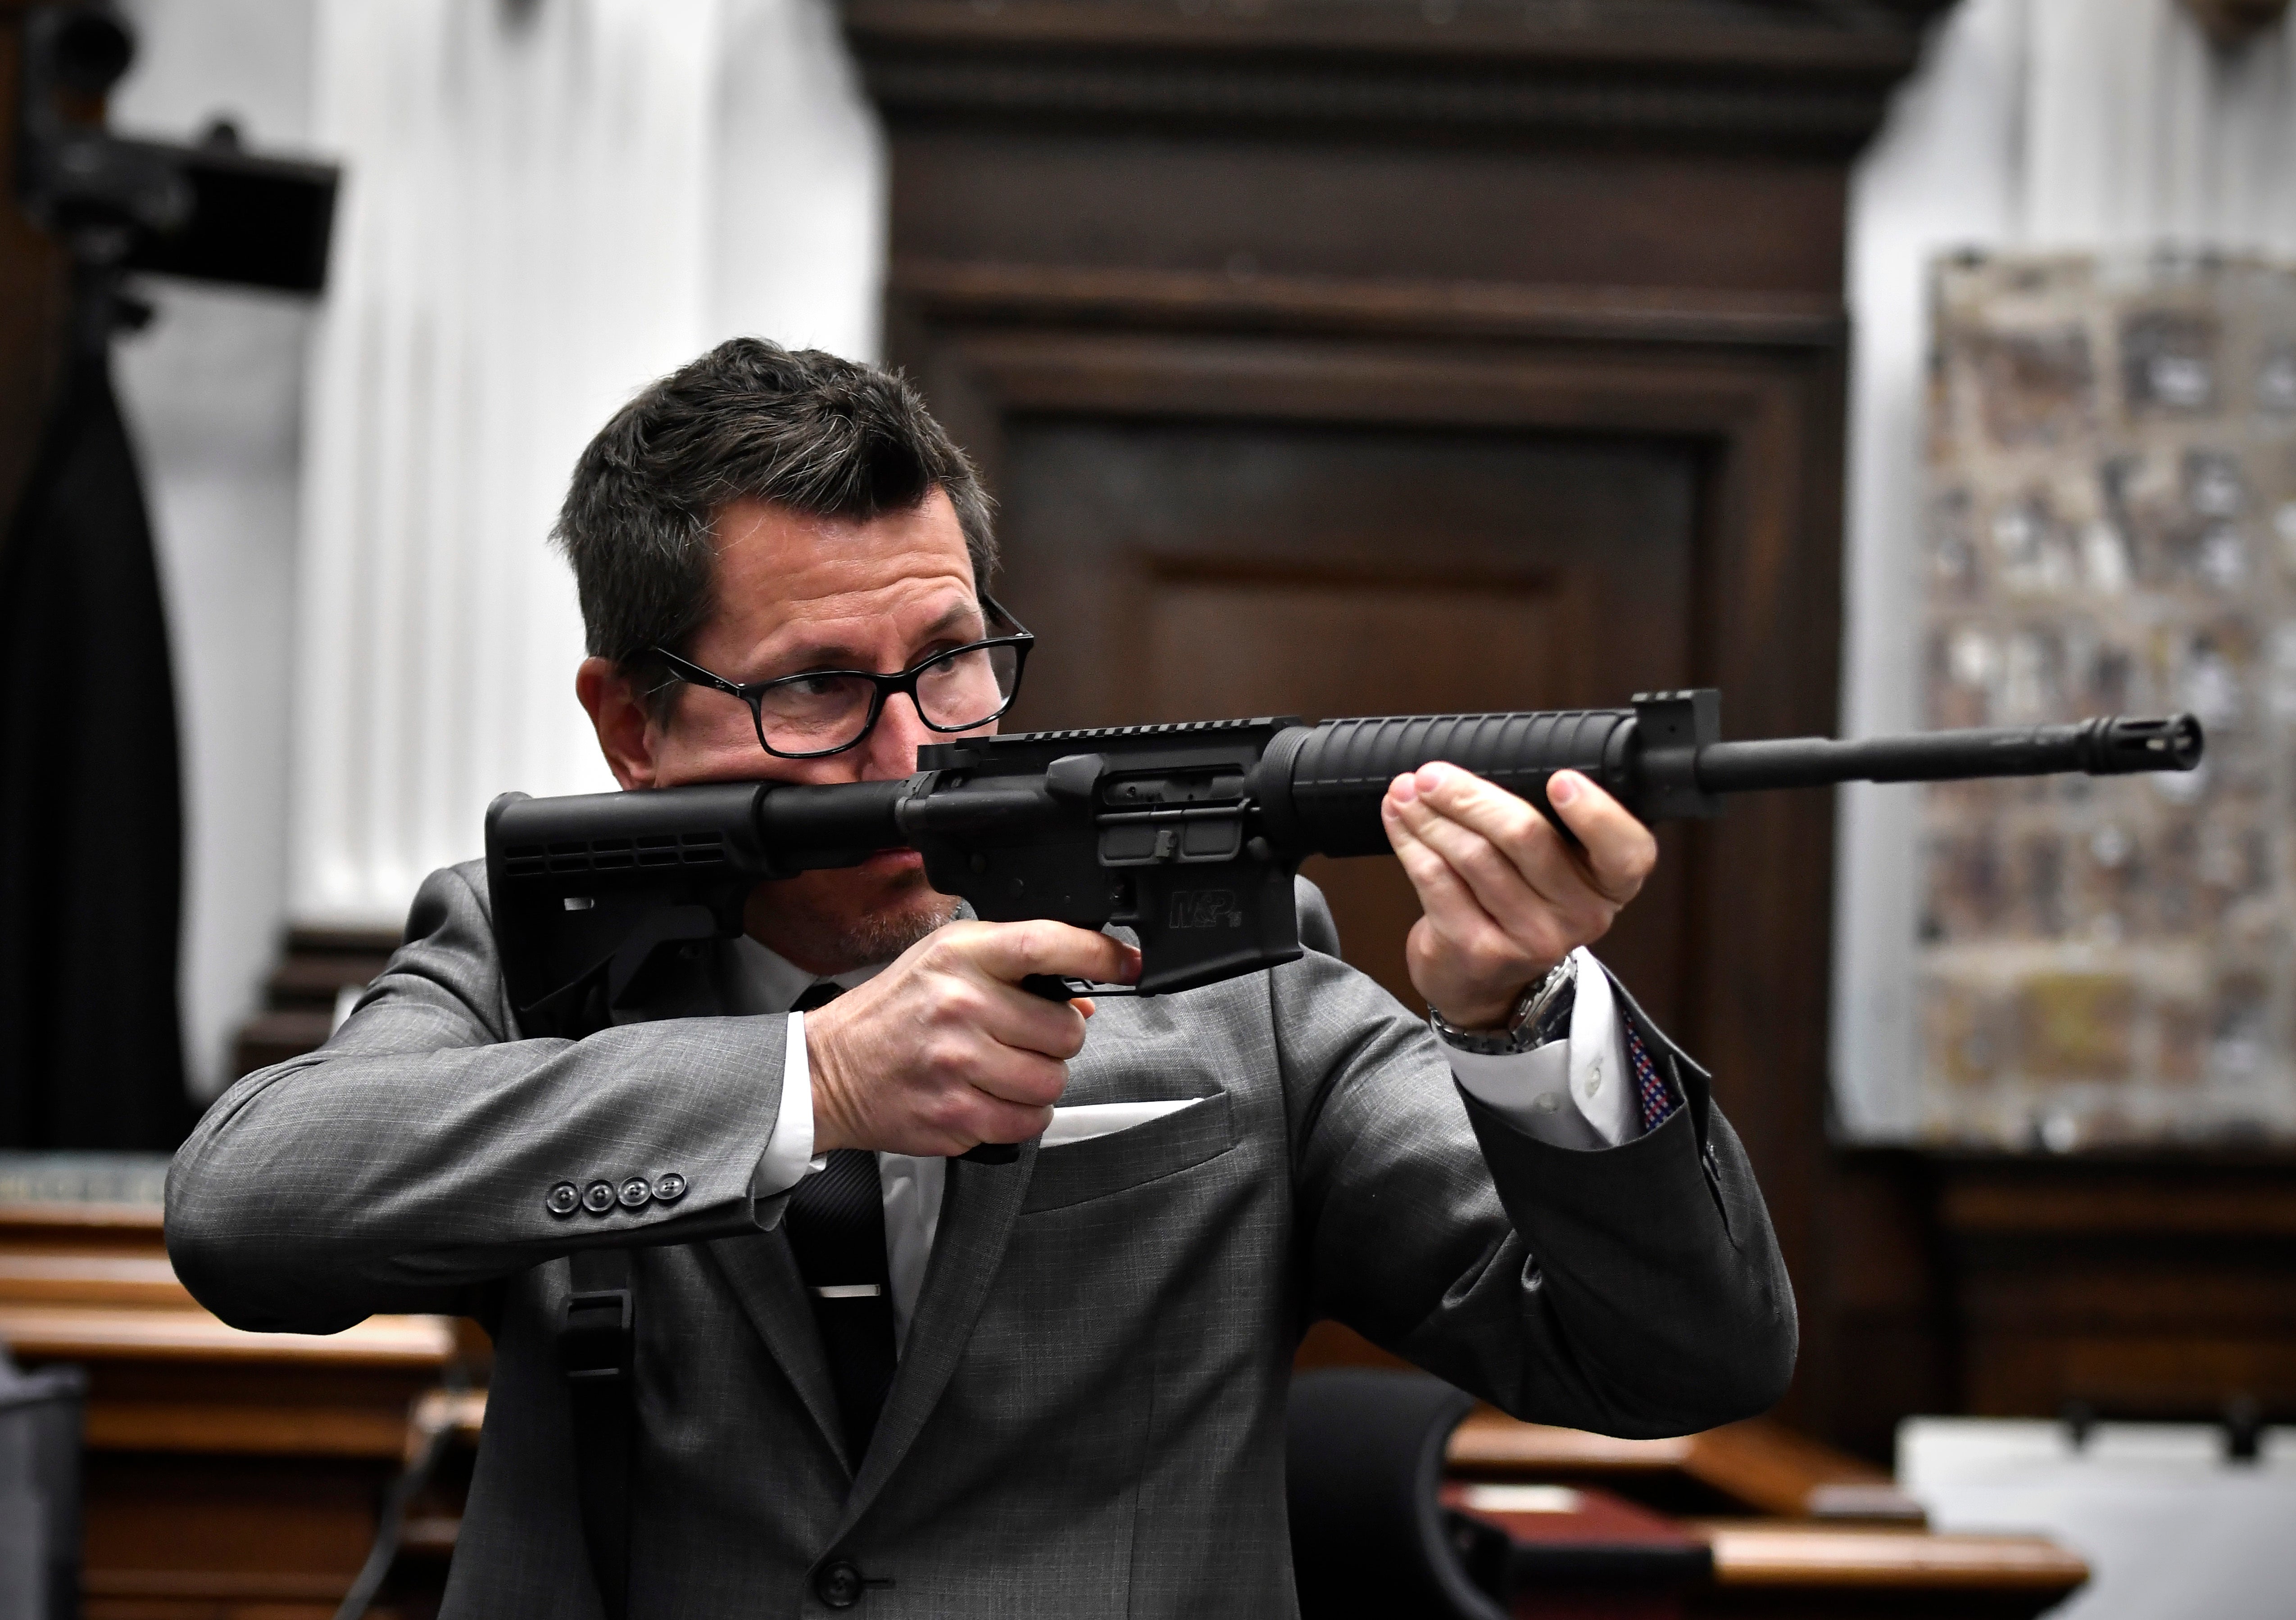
{"points": [[2111, 747]]}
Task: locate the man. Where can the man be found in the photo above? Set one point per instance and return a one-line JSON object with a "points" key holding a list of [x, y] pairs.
{"points": [[870, 1374]]}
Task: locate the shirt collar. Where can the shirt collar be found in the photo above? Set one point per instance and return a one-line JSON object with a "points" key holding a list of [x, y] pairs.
{"points": [[765, 981]]}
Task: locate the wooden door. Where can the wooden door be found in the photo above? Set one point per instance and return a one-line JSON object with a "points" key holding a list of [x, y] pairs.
{"points": [[1200, 569]]}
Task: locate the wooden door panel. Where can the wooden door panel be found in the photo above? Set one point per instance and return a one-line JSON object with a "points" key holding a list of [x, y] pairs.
{"points": [[1352, 647], [1190, 570]]}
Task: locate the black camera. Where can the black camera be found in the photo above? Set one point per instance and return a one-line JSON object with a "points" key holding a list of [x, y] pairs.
{"points": [[209, 210]]}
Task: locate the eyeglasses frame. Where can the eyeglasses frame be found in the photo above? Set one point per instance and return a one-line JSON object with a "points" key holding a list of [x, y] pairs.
{"points": [[752, 692]]}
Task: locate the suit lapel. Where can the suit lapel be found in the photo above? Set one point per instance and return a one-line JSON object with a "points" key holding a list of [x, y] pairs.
{"points": [[759, 1268], [764, 1277], [978, 1207], [979, 1203]]}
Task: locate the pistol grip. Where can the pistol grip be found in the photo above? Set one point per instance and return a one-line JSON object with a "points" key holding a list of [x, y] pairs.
{"points": [[1051, 988]]}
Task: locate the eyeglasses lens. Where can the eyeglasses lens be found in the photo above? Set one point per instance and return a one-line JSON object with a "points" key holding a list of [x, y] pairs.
{"points": [[815, 714], [967, 687]]}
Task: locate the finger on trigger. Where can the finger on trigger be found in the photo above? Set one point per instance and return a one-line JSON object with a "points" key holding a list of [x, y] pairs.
{"points": [[1012, 951]]}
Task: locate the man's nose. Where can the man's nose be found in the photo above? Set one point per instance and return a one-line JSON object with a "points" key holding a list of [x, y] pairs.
{"points": [[892, 747]]}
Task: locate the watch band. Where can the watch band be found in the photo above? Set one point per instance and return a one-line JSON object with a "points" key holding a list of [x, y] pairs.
{"points": [[1539, 1015]]}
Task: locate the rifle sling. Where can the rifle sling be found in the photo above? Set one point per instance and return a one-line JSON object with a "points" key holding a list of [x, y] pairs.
{"points": [[597, 1341]]}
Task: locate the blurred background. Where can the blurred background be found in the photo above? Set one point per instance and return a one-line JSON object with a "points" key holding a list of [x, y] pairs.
{"points": [[1885, 363]]}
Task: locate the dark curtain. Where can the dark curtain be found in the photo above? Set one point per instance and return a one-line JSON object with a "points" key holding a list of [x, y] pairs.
{"points": [[91, 823]]}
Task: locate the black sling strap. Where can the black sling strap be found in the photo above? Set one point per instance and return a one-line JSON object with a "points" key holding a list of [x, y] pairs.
{"points": [[836, 1227], [597, 1352], [598, 1344]]}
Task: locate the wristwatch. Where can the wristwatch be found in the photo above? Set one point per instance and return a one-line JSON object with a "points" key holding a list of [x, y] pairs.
{"points": [[1541, 1014]]}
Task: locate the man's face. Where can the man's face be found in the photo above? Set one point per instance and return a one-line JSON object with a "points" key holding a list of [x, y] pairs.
{"points": [[796, 594]]}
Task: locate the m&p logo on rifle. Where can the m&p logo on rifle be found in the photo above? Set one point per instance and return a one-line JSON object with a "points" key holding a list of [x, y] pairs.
{"points": [[1204, 908]]}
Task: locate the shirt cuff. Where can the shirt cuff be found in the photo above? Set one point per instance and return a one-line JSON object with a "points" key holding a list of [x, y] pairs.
{"points": [[1577, 1092], [789, 1151]]}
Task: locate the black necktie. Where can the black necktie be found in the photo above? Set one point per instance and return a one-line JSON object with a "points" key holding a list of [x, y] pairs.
{"points": [[836, 1224]]}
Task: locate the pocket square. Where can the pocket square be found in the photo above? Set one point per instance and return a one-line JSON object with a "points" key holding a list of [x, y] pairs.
{"points": [[1082, 1121]]}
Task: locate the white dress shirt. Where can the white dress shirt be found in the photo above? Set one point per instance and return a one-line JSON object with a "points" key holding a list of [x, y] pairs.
{"points": [[1576, 1092]]}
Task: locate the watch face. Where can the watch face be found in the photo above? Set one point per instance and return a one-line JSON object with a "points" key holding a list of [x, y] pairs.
{"points": [[1552, 1022], [1548, 1014], [1542, 1013]]}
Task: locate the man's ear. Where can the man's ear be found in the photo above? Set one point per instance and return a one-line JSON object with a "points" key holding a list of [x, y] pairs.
{"points": [[618, 713]]}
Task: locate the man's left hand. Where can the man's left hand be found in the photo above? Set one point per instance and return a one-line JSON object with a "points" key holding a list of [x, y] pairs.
{"points": [[1504, 897]]}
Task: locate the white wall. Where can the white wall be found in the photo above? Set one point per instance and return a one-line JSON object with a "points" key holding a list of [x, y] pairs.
{"points": [[213, 393], [500, 235], [2042, 124], [549, 205], [796, 248]]}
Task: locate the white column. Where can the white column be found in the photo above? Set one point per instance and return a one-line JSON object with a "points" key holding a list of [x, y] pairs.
{"points": [[799, 249], [548, 204], [213, 390], [521, 244], [2138, 132]]}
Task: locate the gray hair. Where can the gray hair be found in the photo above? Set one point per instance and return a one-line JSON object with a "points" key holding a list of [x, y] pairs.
{"points": [[749, 420]]}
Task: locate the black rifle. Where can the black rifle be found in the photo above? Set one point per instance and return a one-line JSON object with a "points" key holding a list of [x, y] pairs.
{"points": [[1187, 834]]}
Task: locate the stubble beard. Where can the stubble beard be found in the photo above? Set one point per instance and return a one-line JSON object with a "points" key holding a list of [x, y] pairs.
{"points": [[809, 923]]}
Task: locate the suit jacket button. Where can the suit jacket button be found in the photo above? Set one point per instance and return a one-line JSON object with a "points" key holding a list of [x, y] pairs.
{"points": [[598, 1197], [669, 1187], [838, 1584], [636, 1192], [564, 1199]]}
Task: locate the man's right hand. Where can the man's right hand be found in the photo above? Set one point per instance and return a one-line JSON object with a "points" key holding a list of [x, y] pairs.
{"points": [[944, 1050]]}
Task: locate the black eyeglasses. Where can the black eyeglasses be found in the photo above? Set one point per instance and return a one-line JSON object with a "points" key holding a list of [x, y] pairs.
{"points": [[825, 711]]}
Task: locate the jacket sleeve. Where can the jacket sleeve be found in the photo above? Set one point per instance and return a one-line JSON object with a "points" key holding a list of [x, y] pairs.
{"points": [[1634, 1290], [407, 1163]]}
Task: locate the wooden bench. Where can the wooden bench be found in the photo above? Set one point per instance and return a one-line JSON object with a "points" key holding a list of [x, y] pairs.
{"points": [[228, 1472]]}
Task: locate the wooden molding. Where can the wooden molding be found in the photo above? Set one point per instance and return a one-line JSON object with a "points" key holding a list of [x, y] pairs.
{"points": [[2152, 1285], [2114, 1199], [1815, 37], [1806, 77], [953, 291]]}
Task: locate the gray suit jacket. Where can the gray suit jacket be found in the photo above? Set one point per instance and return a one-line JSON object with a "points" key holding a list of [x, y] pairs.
{"points": [[1089, 1416]]}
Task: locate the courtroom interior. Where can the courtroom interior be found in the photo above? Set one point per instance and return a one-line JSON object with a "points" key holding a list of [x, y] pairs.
{"points": [[1885, 367]]}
